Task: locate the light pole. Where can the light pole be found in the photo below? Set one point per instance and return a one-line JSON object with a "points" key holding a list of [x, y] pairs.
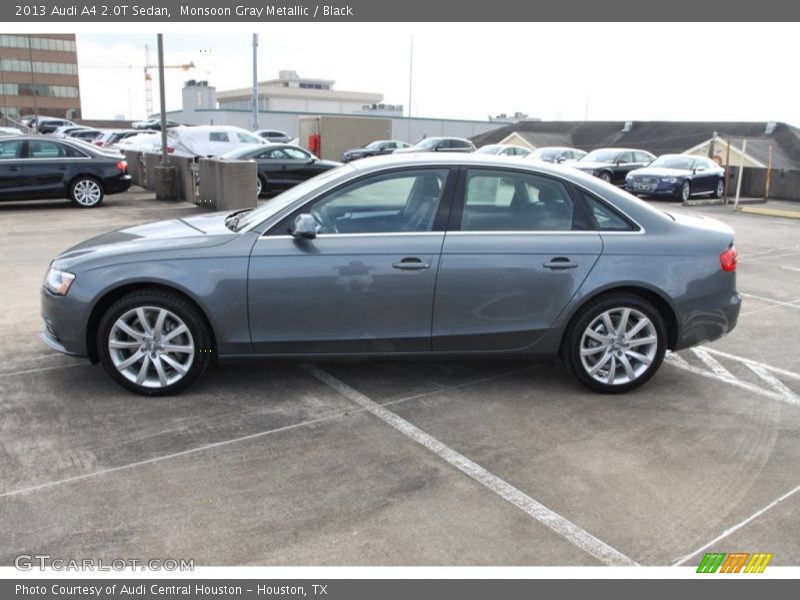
{"points": [[255, 81]]}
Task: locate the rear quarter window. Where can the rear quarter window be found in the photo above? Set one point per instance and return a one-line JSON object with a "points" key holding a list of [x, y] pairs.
{"points": [[605, 217]]}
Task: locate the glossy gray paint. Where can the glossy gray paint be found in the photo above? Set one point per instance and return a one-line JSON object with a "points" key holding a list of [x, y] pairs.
{"points": [[340, 294]]}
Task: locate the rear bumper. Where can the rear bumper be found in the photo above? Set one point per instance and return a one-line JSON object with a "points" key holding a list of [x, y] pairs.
{"points": [[717, 318], [116, 185]]}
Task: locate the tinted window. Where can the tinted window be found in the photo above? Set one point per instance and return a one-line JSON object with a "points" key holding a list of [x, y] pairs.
{"points": [[295, 154], [642, 157], [506, 201], [10, 150], [217, 136], [605, 217], [46, 149], [397, 202], [625, 158]]}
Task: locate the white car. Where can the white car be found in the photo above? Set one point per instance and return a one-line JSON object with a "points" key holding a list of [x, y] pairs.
{"points": [[206, 140], [9, 131]]}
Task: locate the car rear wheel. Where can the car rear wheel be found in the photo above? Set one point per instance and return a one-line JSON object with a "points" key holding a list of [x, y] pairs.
{"points": [[686, 191], [154, 343], [615, 344], [86, 192], [719, 190], [261, 185]]}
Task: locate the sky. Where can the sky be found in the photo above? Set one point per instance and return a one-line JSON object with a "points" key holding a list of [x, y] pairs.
{"points": [[571, 71]]}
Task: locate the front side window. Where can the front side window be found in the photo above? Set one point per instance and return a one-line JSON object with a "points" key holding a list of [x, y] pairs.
{"points": [[405, 201], [296, 154], [507, 201], [217, 136], [10, 150]]}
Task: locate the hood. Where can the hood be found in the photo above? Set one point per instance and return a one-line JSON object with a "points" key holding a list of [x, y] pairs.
{"points": [[660, 172], [199, 231]]}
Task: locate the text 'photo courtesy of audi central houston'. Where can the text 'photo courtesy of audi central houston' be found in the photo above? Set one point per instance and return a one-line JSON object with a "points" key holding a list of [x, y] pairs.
{"points": [[415, 256]]}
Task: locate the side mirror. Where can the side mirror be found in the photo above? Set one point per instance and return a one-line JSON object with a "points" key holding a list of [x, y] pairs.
{"points": [[561, 159], [305, 227], [699, 169]]}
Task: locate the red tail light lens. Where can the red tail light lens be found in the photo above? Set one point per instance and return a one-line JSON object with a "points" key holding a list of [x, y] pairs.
{"points": [[122, 166], [170, 150], [728, 259], [98, 143]]}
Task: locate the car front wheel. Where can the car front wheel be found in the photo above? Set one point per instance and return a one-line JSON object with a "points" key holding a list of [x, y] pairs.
{"points": [[261, 185], [154, 343], [615, 344], [686, 191], [86, 192], [719, 190], [605, 176]]}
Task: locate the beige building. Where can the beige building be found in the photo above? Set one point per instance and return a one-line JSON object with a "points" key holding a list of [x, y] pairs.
{"points": [[292, 93], [39, 74]]}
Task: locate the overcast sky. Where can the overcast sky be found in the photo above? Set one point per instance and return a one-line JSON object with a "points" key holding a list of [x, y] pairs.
{"points": [[632, 71]]}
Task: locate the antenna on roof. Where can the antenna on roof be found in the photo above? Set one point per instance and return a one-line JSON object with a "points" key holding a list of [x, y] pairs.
{"points": [[627, 127], [771, 125]]}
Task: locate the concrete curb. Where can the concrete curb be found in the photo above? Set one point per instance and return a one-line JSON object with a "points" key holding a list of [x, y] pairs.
{"points": [[771, 212]]}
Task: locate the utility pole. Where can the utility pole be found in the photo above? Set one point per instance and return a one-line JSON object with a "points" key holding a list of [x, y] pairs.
{"points": [[410, 84], [162, 99], [166, 174], [33, 82], [255, 81], [5, 95]]}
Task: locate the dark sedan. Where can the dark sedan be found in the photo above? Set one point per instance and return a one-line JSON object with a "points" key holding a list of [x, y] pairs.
{"points": [[280, 166], [41, 168], [613, 164], [440, 144], [678, 175], [556, 154], [427, 256], [377, 148]]}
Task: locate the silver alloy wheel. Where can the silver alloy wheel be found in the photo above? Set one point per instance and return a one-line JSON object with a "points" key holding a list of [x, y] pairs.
{"points": [[618, 346], [686, 191], [258, 186], [87, 192], [605, 177], [720, 189], [151, 346]]}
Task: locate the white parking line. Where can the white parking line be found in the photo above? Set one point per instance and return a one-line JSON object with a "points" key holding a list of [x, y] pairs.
{"points": [[730, 530], [560, 525], [713, 364], [791, 303], [39, 369]]}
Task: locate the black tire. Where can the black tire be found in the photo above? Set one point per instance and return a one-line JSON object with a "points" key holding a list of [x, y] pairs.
{"points": [[575, 336], [198, 335], [719, 189], [86, 192], [686, 191], [605, 176], [262, 189]]}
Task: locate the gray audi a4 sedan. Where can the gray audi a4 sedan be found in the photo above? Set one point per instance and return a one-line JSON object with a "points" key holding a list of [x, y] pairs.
{"points": [[426, 256]]}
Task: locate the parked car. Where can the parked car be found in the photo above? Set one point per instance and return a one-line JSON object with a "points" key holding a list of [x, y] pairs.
{"points": [[556, 154], [33, 167], [504, 150], [143, 141], [274, 135], [206, 140], [65, 130], [440, 144], [153, 124], [678, 175], [280, 166], [613, 164], [87, 135], [9, 131], [412, 256], [48, 125], [376, 148], [111, 138]]}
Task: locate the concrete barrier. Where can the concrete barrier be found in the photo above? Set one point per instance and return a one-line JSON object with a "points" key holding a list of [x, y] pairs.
{"points": [[187, 186], [150, 160], [135, 167], [227, 184]]}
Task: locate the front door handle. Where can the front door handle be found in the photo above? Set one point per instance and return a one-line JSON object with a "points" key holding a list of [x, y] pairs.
{"points": [[560, 262], [411, 264]]}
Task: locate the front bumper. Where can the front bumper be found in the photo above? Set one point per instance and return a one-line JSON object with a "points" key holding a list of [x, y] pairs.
{"points": [[64, 322], [661, 188]]}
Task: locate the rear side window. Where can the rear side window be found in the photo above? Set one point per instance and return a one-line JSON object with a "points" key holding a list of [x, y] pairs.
{"points": [[217, 136], [46, 149], [508, 201], [605, 217]]}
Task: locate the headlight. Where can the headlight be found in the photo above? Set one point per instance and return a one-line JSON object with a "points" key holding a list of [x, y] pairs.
{"points": [[58, 282], [669, 179]]}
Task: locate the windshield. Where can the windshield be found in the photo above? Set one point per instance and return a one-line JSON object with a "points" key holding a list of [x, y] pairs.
{"points": [[607, 156], [674, 162], [283, 200], [244, 152], [427, 143], [546, 153]]}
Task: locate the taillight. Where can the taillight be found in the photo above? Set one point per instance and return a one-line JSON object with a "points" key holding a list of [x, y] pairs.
{"points": [[98, 143], [170, 150], [728, 259], [122, 166]]}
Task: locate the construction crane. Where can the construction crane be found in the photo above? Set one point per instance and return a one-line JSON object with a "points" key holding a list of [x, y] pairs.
{"points": [[148, 81]]}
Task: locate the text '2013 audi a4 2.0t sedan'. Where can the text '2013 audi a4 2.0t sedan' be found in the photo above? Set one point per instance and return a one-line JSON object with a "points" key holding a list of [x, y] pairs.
{"points": [[422, 256]]}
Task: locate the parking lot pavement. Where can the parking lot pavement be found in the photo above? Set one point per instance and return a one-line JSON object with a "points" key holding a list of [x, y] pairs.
{"points": [[457, 462]]}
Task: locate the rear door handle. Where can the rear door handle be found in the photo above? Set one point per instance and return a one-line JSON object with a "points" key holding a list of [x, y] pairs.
{"points": [[560, 262], [411, 264]]}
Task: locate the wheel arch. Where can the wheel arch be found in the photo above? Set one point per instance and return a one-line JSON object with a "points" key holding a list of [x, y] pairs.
{"points": [[80, 175], [655, 297], [110, 296]]}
